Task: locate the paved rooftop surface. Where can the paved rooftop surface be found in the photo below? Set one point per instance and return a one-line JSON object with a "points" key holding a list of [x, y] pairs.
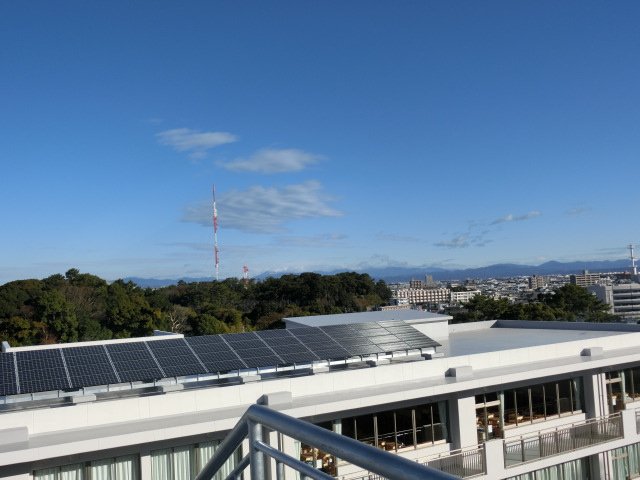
{"points": [[496, 339]]}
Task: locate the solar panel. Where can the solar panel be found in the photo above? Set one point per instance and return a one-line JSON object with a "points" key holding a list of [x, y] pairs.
{"points": [[290, 358], [176, 358], [133, 362], [262, 361], [216, 354], [77, 367], [41, 371], [273, 334], [88, 366], [8, 385]]}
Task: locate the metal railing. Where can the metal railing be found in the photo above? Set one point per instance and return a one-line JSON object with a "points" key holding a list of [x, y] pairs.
{"points": [[258, 421], [562, 439], [464, 463]]}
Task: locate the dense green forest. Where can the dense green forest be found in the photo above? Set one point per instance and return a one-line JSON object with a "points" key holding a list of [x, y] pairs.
{"points": [[80, 306], [569, 302]]}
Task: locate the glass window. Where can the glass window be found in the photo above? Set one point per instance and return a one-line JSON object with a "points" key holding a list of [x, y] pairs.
{"points": [[404, 427], [551, 398], [565, 392], [185, 462], [386, 430], [119, 468], [364, 429], [614, 391], [538, 406]]}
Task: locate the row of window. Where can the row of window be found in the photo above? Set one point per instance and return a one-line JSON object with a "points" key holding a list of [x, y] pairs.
{"points": [[623, 387], [119, 468], [574, 470], [178, 463], [496, 411]]}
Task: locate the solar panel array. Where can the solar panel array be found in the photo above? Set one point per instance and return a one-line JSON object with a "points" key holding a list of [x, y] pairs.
{"points": [[72, 368]]}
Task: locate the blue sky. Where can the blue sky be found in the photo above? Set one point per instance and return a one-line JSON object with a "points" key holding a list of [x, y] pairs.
{"points": [[338, 134]]}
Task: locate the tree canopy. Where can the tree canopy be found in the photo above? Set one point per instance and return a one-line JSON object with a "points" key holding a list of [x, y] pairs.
{"points": [[80, 306], [569, 303]]}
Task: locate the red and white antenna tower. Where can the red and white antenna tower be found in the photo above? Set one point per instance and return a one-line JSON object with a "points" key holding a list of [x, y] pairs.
{"points": [[215, 234], [245, 275]]}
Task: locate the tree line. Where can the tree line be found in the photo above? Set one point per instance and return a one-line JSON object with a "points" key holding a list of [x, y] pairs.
{"points": [[568, 303], [81, 306]]}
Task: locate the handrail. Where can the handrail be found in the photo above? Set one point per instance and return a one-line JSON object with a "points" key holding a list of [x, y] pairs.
{"points": [[562, 439], [259, 417]]}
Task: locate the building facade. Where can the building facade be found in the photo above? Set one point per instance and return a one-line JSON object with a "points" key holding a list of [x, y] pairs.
{"points": [[495, 400], [623, 299]]}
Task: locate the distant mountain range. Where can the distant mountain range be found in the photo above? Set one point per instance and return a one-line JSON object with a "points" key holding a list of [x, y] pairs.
{"points": [[400, 274]]}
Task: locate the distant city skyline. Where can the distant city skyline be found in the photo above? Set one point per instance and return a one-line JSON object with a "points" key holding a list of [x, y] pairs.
{"points": [[338, 135]]}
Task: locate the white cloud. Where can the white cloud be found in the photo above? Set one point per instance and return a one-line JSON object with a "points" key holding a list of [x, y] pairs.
{"points": [[265, 210], [271, 160], [192, 141], [516, 218]]}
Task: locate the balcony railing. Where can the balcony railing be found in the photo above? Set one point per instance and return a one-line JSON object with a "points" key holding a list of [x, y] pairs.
{"points": [[464, 463], [547, 443]]}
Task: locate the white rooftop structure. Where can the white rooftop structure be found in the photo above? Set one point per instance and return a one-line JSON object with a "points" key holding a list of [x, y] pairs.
{"points": [[497, 400]]}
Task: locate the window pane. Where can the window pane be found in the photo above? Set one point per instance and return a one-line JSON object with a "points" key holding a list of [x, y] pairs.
{"points": [[386, 430], [161, 464], [551, 398], [72, 472], [348, 427], [424, 424], [101, 469], [404, 425], [364, 429], [510, 407], [565, 396], [46, 474], [126, 468], [538, 402]]}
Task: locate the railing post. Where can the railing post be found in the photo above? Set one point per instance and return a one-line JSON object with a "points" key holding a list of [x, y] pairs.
{"points": [[256, 457], [279, 464]]}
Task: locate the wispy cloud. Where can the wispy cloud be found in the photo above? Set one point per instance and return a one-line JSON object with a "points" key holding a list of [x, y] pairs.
{"points": [[459, 241], [577, 211], [320, 240], [265, 210], [196, 143], [465, 240], [516, 218], [272, 160]]}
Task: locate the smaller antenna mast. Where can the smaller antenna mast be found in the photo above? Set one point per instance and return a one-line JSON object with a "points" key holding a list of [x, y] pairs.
{"points": [[634, 269]]}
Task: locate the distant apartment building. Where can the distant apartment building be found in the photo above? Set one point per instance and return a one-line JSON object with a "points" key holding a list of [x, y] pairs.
{"points": [[585, 279], [463, 297], [423, 295], [623, 299], [416, 283], [538, 281]]}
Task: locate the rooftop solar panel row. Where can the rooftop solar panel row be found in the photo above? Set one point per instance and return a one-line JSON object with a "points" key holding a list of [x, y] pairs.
{"points": [[143, 361]]}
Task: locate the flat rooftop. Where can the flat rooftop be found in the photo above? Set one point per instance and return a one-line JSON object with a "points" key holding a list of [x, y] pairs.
{"points": [[496, 338]]}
